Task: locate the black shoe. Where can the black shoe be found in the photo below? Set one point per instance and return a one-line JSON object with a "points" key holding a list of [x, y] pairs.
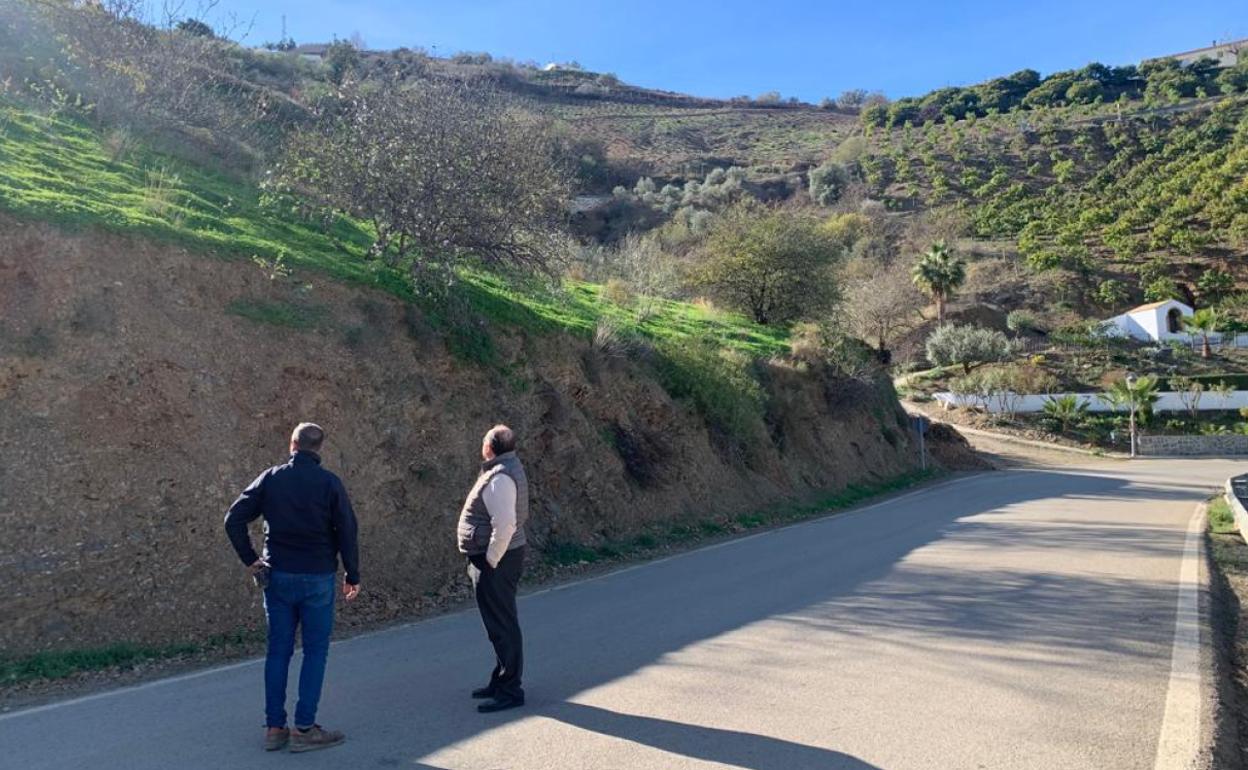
{"points": [[483, 692], [501, 704]]}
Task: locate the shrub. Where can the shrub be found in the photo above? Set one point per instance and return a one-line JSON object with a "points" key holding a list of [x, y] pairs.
{"points": [[999, 390], [1086, 334], [827, 183], [609, 340], [1214, 284], [718, 382], [617, 292], [1161, 289], [1189, 391], [1111, 293], [1022, 321], [967, 346], [813, 343]]}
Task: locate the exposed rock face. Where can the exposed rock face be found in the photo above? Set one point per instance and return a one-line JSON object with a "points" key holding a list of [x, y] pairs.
{"points": [[133, 408]]}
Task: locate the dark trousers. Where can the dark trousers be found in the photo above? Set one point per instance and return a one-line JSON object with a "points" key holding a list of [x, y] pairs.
{"points": [[495, 588]]}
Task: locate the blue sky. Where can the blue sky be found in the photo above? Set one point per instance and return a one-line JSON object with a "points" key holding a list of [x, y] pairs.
{"points": [[808, 49]]}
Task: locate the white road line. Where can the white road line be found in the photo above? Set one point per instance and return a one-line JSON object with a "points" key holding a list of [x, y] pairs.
{"points": [[1179, 742], [254, 661]]}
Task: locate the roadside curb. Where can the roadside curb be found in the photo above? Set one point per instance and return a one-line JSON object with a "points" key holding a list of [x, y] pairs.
{"points": [[1233, 486]]}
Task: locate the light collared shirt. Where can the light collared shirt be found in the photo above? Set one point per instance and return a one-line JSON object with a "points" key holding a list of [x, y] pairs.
{"points": [[499, 497]]}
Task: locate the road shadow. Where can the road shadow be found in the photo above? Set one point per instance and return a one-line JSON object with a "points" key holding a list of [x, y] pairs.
{"points": [[589, 634], [711, 744]]}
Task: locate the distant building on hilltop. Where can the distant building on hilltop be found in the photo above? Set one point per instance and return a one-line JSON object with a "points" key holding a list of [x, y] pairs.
{"points": [[313, 51], [1225, 54]]}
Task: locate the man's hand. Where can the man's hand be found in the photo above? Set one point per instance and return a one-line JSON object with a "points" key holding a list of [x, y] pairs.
{"points": [[256, 566], [349, 592]]}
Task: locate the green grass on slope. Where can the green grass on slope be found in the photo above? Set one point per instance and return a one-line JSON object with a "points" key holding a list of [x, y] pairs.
{"points": [[62, 170], [579, 307]]}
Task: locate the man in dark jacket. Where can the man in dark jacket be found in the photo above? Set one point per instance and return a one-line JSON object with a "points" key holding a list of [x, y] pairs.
{"points": [[308, 523], [491, 534]]}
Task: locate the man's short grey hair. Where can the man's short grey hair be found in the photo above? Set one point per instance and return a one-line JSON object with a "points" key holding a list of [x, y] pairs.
{"points": [[308, 436], [501, 439]]}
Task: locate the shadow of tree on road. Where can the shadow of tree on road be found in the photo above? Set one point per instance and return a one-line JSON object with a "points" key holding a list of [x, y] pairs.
{"points": [[728, 747]]}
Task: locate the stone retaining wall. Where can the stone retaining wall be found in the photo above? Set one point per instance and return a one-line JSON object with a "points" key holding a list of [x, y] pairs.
{"points": [[1162, 446]]}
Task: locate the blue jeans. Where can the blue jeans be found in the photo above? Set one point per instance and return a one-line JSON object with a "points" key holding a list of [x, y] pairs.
{"points": [[293, 600]]}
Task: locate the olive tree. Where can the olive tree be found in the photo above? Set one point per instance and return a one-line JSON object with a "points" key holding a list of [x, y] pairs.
{"points": [[827, 183], [967, 346], [774, 265], [439, 172]]}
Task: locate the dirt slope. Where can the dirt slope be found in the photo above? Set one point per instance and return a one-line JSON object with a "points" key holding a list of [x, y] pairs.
{"points": [[133, 408]]}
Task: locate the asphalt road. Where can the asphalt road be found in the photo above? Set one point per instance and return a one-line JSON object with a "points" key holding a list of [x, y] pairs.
{"points": [[1015, 619]]}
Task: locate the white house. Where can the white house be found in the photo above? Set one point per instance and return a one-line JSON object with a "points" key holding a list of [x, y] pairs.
{"points": [[1154, 322]]}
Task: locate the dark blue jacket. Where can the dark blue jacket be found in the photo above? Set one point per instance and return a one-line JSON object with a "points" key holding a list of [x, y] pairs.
{"points": [[308, 519]]}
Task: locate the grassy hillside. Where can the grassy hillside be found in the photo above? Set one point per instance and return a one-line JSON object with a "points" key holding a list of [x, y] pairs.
{"points": [[64, 171]]}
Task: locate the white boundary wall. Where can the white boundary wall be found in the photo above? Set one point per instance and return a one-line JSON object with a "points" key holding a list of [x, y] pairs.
{"points": [[1025, 404]]}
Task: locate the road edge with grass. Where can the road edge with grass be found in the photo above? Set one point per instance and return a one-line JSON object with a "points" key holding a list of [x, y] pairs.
{"points": [[1226, 561]]}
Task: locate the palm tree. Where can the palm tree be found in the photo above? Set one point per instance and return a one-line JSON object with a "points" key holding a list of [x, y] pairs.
{"points": [[1203, 322], [1065, 410], [1133, 394], [939, 273]]}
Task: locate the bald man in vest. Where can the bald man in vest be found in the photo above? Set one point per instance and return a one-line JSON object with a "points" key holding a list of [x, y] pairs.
{"points": [[491, 535]]}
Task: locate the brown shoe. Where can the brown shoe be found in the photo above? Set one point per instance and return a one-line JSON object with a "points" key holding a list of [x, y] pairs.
{"points": [[276, 738], [315, 737]]}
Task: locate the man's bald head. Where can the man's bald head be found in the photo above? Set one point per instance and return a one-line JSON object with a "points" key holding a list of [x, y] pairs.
{"points": [[307, 436], [499, 440]]}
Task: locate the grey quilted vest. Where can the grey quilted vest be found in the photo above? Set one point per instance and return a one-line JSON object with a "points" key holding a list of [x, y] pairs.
{"points": [[474, 519]]}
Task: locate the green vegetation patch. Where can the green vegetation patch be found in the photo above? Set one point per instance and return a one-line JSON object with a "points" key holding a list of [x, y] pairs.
{"points": [[61, 170], [62, 664], [1221, 518], [279, 313]]}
